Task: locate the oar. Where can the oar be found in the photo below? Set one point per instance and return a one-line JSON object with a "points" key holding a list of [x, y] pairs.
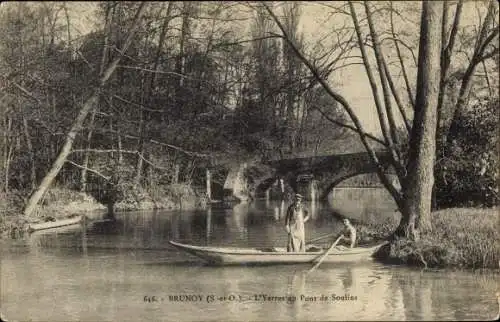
{"points": [[325, 254], [320, 238]]}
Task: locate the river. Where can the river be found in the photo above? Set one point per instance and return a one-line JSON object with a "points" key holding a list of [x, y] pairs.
{"points": [[124, 270]]}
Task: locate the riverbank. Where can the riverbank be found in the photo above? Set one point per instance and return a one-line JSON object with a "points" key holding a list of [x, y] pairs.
{"points": [[461, 238], [62, 203], [171, 197], [58, 203]]}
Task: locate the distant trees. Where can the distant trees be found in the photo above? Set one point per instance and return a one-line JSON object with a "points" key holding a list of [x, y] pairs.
{"points": [[283, 114], [32, 65], [154, 92]]}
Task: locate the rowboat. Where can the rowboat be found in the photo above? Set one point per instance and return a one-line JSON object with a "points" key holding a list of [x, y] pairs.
{"points": [[235, 255], [55, 224]]}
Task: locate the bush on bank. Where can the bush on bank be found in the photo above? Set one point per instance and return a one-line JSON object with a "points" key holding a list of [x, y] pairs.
{"points": [[57, 203], [461, 237], [10, 208], [60, 202], [174, 196]]}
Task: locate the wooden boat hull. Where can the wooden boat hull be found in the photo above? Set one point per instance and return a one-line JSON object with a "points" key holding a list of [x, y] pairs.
{"points": [[234, 255], [55, 224]]}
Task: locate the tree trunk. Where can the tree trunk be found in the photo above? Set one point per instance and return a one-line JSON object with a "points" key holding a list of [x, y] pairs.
{"points": [[175, 179], [142, 133], [186, 11], [77, 125], [9, 149], [63, 154], [209, 185], [107, 31], [139, 166], [417, 186], [120, 148], [446, 51], [7, 168], [83, 178], [31, 154], [291, 67]]}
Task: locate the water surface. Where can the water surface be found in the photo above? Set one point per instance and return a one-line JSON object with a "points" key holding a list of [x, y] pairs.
{"points": [[124, 270]]}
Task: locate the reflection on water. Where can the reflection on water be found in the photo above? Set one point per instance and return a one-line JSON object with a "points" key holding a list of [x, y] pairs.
{"points": [[366, 204], [102, 271]]}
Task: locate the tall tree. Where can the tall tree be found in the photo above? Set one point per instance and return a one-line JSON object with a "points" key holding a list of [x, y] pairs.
{"points": [[419, 181], [416, 176], [292, 67]]}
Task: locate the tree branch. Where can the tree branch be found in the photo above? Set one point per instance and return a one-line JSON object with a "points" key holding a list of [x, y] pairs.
{"points": [[121, 151], [134, 104], [350, 127], [446, 52], [401, 61], [400, 41], [488, 55], [222, 44], [397, 99], [384, 76], [89, 170], [454, 30], [173, 147], [25, 92], [388, 130]]}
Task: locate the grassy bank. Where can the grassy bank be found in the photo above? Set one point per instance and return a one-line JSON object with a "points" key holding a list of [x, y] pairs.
{"points": [[461, 238], [58, 203]]}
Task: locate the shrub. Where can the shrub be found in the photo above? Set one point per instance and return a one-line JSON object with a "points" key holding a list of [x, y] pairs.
{"points": [[468, 175], [157, 197], [468, 238]]}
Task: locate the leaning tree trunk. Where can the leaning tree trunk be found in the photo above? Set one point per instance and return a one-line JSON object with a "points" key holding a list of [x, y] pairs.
{"points": [[77, 125], [417, 187], [9, 150]]}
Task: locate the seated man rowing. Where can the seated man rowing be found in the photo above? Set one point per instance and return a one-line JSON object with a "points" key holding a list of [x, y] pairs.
{"points": [[349, 232]]}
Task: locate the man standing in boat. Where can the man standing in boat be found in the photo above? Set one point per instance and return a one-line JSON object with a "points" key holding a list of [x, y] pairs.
{"points": [[295, 218]]}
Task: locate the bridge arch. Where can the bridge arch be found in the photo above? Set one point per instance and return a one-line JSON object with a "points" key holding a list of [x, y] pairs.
{"points": [[329, 184], [322, 173]]}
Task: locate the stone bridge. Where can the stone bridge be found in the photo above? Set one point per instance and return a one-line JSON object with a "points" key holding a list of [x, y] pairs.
{"points": [[315, 177]]}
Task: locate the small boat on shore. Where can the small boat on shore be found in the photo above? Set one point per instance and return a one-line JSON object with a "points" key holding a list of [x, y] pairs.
{"points": [[55, 224], [235, 255]]}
